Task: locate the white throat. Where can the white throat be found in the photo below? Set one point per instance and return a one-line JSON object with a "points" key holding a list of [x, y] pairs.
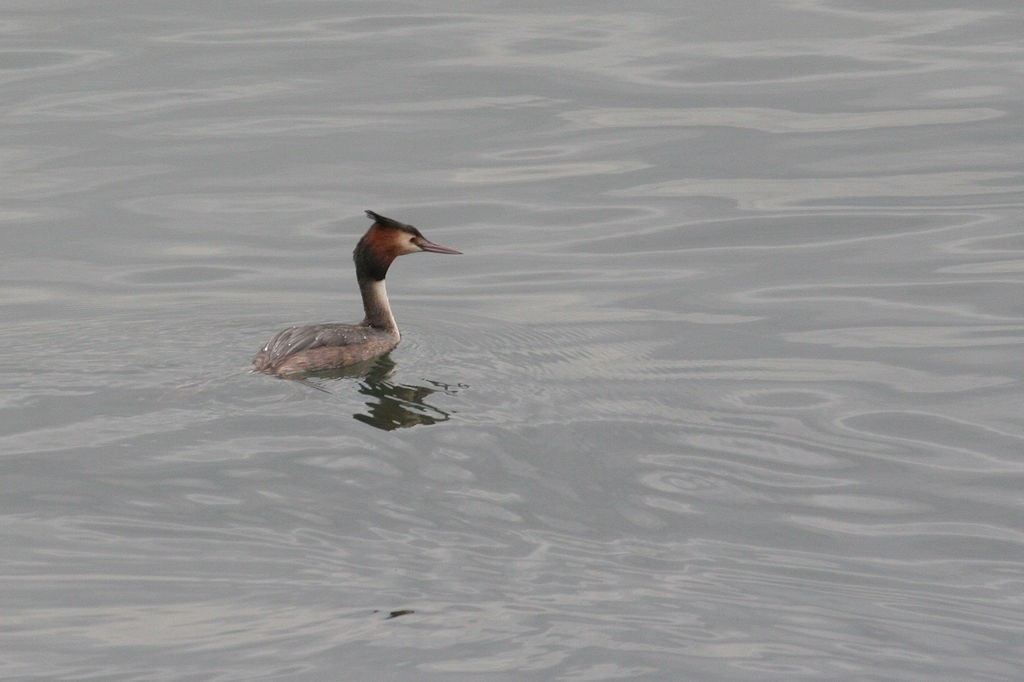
{"points": [[377, 307]]}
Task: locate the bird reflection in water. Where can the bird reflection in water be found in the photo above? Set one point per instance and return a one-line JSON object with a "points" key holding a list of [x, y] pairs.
{"points": [[391, 406]]}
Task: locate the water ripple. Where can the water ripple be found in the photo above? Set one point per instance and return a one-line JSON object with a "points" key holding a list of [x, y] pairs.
{"points": [[778, 121], [773, 194]]}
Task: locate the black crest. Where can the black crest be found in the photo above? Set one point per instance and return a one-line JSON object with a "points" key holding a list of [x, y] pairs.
{"points": [[391, 223]]}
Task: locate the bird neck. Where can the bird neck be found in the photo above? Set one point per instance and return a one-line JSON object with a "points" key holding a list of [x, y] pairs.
{"points": [[376, 306]]}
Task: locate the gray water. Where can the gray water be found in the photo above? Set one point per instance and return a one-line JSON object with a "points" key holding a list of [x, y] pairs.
{"points": [[727, 385]]}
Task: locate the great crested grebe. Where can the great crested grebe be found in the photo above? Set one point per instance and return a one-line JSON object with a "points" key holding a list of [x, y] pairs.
{"points": [[317, 347]]}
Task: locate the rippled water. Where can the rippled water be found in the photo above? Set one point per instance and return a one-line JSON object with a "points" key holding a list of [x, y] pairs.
{"points": [[727, 384]]}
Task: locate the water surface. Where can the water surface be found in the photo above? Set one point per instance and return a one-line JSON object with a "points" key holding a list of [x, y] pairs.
{"points": [[726, 385]]}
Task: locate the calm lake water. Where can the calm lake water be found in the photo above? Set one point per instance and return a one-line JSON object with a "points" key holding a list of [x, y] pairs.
{"points": [[727, 385]]}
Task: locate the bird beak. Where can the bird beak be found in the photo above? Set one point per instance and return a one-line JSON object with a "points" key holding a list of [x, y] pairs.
{"points": [[430, 246]]}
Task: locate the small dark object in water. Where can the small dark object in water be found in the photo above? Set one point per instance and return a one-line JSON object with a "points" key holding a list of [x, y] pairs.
{"points": [[396, 614]]}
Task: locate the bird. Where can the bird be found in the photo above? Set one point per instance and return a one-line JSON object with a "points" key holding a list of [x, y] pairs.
{"points": [[319, 347]]}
